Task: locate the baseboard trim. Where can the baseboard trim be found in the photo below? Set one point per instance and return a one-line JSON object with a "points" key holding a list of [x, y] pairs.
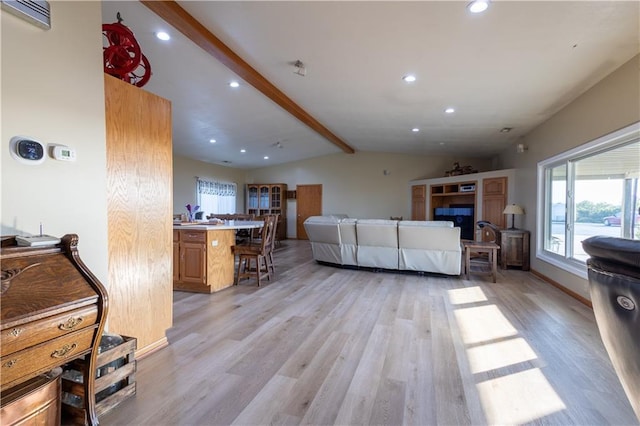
{"points": [[562, 288], [153, 347]]}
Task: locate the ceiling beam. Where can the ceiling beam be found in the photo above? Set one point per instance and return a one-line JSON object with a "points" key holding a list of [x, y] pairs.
{"points": [[180, 19]]}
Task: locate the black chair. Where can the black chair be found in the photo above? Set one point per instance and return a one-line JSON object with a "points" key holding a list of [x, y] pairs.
{"points": [[614, 282]]}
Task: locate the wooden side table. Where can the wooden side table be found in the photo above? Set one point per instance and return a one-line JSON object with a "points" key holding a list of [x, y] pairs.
{"points": [[480, 247], [514, 248]]}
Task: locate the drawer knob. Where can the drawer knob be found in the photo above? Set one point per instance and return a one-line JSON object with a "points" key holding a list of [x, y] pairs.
{"points": [[70, 324], [10, 363], [64, 350], [16, 332]]}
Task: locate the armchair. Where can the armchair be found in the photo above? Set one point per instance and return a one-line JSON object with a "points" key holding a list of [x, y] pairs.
{"points": [[614, 282]]}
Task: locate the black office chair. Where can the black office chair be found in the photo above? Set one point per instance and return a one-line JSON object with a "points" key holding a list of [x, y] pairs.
{"points": [[614, 282]]}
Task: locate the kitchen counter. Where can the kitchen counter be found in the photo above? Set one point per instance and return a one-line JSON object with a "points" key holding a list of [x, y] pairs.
{"points": [[203, 258], [206, 226]]}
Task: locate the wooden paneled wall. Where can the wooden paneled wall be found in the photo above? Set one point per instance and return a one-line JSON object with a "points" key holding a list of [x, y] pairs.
{"points": [[139, 203]]}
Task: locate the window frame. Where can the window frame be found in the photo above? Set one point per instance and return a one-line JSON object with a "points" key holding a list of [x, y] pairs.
{"points": [[604, 143]]}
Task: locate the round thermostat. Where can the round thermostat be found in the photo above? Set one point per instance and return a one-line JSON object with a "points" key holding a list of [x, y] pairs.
{"points": [[27, 150]]}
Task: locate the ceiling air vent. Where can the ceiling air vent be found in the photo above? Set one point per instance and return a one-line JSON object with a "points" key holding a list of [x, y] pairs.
{"points": [[36, 12]]}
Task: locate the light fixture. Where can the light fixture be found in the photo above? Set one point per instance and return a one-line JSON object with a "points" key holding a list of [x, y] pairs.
{"points": [[506, 129], [415, 130], [300, 69], [450, 110], [266, 157], [513, 209], [163, 36], [520, 148], [243, 150], [234, 84], [212, 141], [478, 6], [410, 78]]}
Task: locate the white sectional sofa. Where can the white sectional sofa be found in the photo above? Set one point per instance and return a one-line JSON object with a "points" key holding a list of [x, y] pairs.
{"points": [[426, 246]]}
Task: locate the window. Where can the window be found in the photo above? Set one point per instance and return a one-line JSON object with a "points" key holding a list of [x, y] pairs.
{"points": [[216, 197], [590, 190]]}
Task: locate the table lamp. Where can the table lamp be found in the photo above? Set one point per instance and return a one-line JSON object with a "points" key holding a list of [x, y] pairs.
{"points": [[513, 209]]}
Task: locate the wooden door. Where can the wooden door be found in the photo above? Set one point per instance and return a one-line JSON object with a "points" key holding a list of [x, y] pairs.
{"points": [[308, 203], [418, 202], [494, 199]]}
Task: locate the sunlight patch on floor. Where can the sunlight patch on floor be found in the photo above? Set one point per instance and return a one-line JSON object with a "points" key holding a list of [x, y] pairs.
{"points": [[518, 398], [494, 348], [483, 323], [499, 354], [461, 296]]}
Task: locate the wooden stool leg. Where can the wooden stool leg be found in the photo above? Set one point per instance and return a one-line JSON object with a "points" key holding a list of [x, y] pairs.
{"points": [[467, 262], [494, 263]]}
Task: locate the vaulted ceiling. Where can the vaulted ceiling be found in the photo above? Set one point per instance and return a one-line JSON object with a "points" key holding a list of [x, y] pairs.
{"points": [[513, 66]]}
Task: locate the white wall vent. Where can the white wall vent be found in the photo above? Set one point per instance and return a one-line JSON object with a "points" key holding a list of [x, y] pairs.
{"points": [[35, 11]]}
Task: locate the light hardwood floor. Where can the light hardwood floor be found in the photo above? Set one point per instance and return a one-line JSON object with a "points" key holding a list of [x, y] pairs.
{"points": [[322, 345]]}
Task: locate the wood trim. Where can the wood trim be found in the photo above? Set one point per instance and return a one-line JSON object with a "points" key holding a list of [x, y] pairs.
{"points": [[562, 288], [151, 348], [180, 19]]}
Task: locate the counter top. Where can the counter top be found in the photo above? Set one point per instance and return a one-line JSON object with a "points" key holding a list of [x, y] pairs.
{"points": [[230, 224]]}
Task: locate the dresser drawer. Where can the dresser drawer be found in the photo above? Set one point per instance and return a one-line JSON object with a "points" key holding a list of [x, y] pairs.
{"points": [[17, 338], [19, 366], [193, 236]]}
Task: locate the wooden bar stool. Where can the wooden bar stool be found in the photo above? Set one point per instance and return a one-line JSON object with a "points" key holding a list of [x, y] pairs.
{"points": [[480, 247]]}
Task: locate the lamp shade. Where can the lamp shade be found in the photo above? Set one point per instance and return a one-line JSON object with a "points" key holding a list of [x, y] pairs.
{"points": [[513, 209]]}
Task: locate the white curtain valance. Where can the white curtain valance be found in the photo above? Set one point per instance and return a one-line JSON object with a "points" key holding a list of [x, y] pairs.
{"points": [[224, 189]]}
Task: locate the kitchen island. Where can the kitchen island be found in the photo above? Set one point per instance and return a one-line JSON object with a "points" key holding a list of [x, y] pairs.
{"points": [[203, 259]]}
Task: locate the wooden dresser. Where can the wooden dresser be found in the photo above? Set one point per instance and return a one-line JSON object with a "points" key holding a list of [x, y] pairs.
{"points": [[53, 311]]}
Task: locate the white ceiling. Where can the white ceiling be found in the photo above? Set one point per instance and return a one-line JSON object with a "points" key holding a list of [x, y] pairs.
{"points": [[513, 66]]}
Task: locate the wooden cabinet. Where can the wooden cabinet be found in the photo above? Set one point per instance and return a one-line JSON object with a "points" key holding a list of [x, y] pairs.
{"points": [[53, 311], [418, 202], [487, 193], [494, 199], [269, 198], [514, 248], [203, 260], [455, 202], [453, 195]]}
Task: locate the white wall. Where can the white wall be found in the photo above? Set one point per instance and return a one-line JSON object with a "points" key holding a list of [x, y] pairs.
{"points": [[185, 171], [52, 90], [611, 104], [355, 184]]}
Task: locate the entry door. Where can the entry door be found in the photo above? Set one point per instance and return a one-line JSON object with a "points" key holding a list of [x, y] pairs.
{"points": [[308, 203]]}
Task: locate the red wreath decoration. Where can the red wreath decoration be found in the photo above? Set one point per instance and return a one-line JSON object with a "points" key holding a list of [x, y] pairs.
{"points": [[122, 55]]}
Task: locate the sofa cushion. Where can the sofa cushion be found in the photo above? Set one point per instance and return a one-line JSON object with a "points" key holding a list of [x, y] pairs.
{"points": [[377, 243]]}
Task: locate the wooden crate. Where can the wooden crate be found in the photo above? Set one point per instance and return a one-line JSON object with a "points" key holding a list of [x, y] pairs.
{"points": [[72, 408]]}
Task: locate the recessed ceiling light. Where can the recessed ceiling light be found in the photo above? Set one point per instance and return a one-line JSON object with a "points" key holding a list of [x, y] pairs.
{"points": [[441, 143], [163, 36], [409, 78], [478, 6], [415, 129], [212, 141], [506, 129], [450, 110], [266, 157], [243, 150], [234, 84]]}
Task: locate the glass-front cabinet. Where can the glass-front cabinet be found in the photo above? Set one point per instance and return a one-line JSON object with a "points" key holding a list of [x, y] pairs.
{"points": [[269, 198]]}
